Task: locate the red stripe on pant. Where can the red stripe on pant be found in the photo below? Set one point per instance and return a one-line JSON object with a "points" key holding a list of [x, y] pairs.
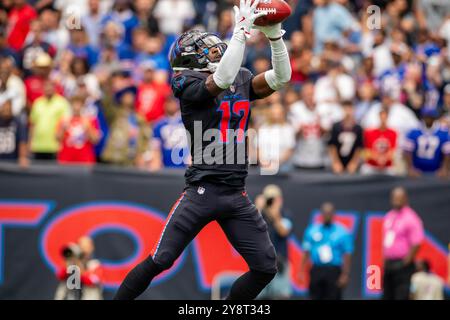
{"points": [[172, 210]]}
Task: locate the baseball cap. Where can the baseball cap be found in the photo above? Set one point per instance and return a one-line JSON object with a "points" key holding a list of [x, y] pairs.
{"points": [[130, 89], [272, 191], [429, 112], [43, 60]]}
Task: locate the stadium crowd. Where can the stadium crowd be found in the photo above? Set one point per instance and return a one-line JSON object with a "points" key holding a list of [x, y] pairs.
{"points": [[88, 81]]}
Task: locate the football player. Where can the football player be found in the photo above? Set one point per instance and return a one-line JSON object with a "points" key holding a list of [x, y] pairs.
{"points": [[215, 94]]}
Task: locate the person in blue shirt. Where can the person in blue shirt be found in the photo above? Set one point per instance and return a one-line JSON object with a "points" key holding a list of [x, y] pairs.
{"points": [[169, 145], [328, 245], [427, 149]]}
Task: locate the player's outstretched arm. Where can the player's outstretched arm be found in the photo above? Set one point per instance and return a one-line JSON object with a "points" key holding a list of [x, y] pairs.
{"points": [[231, 61], [266, 83]]}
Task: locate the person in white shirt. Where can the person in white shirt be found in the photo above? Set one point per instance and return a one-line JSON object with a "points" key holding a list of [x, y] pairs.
{"points": [[380, 52], [12, 87], [276, 141], [335, 86], [424, 284], [310, 128], [172, 15]]}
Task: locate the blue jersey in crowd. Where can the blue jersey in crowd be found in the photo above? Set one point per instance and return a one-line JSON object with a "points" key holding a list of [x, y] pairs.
{"points": [[327, 244], [171, 137], [428, 147]]}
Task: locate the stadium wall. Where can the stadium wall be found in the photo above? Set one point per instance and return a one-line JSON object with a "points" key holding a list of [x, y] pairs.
{"points": [[45, 207]]}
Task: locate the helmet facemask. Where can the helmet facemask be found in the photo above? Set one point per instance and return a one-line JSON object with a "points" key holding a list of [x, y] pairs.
{"points": [[210, 50], [198, 51]]}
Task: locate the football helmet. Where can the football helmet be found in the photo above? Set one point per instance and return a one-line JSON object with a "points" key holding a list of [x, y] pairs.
{"points": [[190, 51]]}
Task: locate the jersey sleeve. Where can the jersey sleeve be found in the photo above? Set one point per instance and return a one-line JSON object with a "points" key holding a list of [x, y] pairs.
{"points": [[333, 141], [190, 87], [409, 144], [446, 145]]}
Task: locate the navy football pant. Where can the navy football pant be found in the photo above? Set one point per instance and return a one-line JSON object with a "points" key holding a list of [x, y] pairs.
{"points": [[241, 222]]}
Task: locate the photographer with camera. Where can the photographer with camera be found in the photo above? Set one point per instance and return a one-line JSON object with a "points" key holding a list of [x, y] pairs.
{"points": [[80, 278], [270, 204]]}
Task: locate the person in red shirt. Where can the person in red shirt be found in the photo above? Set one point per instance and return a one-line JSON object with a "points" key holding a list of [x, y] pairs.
{"points": [[34, 84], [78, 135], [380, 145], [151, 94], [19, 20]]}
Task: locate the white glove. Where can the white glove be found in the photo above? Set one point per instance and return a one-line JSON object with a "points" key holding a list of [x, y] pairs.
{"points": [[271, 32], [246, 15]]}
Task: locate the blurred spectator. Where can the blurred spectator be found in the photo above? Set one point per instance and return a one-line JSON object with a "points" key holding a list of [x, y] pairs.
{"points": [[329, 246], [79, 75], [432, 13], [276, 140], [306, 119], [301, 58], [112, 38], [346, 143], [425, 285], [13, 135], [427, 149], [46, 112], [35, 83], [330, 21], [366, 100], [35, 46], [55, 31], [92, 21], [11, 86], [144, 12], [393, 78], [380, 52], [80, 47], [413, 90], [78, 135], [78, 257], [400, 118], [122, 13], [129, 134], [151, 93], [173, 15], [5, 50], [402, 235], [169, 146], [380, 146], [226, 24], [19, 20], [335, 86], [277, 217]]}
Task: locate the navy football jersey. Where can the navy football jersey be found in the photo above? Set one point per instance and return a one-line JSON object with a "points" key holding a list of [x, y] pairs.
{"points": [[216, 126]]}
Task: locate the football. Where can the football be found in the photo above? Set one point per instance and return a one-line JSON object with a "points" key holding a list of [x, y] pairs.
{"points": [[277, 11]]}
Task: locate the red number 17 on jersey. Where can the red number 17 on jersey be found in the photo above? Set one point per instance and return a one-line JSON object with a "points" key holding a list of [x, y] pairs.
{"points": [[240, 108]]}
